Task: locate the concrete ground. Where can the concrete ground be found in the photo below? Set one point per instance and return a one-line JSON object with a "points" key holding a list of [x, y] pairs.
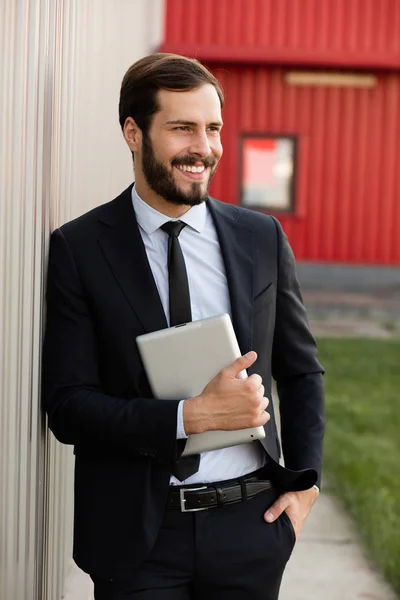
{"points": [[78, 585], [328, 562], [348, 314]]}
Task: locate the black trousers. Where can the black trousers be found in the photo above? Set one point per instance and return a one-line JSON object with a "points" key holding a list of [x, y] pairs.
{"points": [[218, 554]]}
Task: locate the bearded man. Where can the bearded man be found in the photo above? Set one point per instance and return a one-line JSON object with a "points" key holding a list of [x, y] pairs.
{"points": [[108, 282]]}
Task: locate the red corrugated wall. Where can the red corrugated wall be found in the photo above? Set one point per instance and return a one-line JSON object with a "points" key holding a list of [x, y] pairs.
{"points": [[328, 32], [348, 159], [348, 171]]}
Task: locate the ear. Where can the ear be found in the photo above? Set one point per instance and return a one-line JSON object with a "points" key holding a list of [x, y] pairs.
{"points": [[132, 134]]}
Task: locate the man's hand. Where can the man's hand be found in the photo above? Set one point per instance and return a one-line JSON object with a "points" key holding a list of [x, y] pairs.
{"points": [[297, 506], [228, 402]]}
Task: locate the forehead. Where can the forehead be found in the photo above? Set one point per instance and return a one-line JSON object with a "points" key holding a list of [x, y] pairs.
{"points": [[198, 105]]}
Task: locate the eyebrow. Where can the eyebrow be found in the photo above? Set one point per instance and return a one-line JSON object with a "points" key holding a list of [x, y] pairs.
{"points": [[192, 123]]}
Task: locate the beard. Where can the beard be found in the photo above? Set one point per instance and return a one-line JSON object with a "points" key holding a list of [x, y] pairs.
{"points": [[162, 182]]}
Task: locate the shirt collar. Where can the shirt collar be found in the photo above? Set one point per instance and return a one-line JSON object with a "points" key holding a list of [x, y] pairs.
{"points": [[150, 219]]}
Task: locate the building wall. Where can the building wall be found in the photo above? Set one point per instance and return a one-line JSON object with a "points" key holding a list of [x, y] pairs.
{"points": [[347, 182], [61, 153], [325, 32]]}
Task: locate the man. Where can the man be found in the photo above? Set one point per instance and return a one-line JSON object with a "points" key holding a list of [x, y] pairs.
{"points": [[111, 279]]}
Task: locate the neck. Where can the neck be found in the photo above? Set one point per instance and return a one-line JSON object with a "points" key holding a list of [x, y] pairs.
{"points": [[174, 211]]}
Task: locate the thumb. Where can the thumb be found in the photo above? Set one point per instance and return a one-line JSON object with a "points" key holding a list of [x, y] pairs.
{"points": [[277, 509], [241, 363]]}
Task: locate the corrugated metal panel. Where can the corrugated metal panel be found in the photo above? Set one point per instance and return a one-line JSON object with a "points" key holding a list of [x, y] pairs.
{"points": [[326, 32], [24, 55], [348, 186], [59, 459], [32, 35]]}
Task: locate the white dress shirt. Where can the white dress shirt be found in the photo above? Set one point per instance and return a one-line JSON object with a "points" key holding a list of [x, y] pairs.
{"points": [[209, 296]]}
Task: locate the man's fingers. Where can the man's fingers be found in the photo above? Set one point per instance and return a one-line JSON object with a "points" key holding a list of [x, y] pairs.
{"points": [[255, 381], [265, 417], [240, 364], [277, 508]]}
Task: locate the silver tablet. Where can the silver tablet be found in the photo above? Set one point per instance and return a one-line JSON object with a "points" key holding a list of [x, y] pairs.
{"points": [[182, 360]]}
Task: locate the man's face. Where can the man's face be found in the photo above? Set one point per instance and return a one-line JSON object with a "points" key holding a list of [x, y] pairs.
{"points": [[180, 154]]}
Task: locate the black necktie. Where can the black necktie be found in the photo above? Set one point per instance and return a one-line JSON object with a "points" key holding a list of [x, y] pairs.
{"points": [[179, 312], [179, 297]]}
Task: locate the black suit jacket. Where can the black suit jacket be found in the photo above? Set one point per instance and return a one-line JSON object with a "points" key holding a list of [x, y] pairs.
{"points": [[101, 295]]}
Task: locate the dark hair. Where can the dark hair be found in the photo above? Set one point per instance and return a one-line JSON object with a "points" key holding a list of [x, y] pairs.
{"points": [[142, 81]]}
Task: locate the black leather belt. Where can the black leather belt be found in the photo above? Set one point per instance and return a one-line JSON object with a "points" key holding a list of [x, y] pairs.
{"points": [[213, 495]]}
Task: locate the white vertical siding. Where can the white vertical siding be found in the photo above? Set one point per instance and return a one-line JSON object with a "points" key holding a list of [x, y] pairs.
{"points": [[61, 152], [109, 37], [25, 56]]}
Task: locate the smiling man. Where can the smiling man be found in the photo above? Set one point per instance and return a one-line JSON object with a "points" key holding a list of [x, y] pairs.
{"points": [[179, 154], [163, 253]]}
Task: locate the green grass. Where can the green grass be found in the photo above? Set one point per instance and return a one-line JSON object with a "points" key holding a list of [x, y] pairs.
{"points": [[362, 444]]}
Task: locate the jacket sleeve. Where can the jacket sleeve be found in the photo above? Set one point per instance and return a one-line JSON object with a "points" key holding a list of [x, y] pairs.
{"points": [[79, 411], [297, 372]]}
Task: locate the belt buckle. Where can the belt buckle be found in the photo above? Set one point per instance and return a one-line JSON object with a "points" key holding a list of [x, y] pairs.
{"points": [[182, 492]]}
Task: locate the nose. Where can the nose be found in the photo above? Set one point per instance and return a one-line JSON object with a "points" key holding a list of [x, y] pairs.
{"points": [[200, 145]]}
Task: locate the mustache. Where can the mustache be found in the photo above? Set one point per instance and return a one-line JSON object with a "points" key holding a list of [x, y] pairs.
{"points": [[209, 161]]}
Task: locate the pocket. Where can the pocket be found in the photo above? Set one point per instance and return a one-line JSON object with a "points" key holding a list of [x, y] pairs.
{"points": [[264, 298], [285, 517]]}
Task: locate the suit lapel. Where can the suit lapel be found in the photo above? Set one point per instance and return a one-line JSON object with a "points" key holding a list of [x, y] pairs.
{"points": [[236, 242], [123, 248]]}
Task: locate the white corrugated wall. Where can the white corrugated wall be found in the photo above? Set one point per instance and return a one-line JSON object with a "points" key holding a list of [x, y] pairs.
{"points": [[61, 153]]}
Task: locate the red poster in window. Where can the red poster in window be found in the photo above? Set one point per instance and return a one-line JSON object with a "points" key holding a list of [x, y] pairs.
{"points": [[267, 176], [259, 156]]}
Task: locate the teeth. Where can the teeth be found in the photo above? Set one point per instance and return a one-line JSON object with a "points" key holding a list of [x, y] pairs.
{"points": [[192, 169]]}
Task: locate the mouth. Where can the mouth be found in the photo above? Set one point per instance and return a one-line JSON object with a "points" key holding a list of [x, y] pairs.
{"points": [[193, 172]]}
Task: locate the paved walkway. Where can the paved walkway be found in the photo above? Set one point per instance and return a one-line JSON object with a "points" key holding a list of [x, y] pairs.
{"points": [[78, 585], [328, 562], [347, 314]]}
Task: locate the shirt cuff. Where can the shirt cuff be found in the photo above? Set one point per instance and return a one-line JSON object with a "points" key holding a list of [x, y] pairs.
{"points": [[180, 430]]}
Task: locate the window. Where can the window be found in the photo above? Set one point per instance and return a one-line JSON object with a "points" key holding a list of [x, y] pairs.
{"points": [[268, 166]]}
